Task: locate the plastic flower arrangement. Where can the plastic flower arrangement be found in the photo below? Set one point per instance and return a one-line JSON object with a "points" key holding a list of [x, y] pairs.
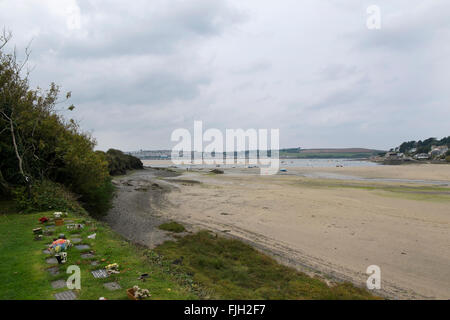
{"points": [[43, 219], [57, 214], [112, 268], [141, 293], [60, 245]]}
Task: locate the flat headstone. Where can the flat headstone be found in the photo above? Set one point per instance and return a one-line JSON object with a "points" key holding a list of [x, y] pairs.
{"points": [[94, 263], [82, 246], [69, 221], [112, 286], [75, 235], [51, 261], [65, 295], [76, 240], [87, 255], [53, 271], [101, 273], [46, 251], [58, 284]]}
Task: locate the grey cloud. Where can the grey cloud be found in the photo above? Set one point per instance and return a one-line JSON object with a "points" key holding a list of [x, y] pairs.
{"points": [[141, 27], [417, 28], [140, 69]]}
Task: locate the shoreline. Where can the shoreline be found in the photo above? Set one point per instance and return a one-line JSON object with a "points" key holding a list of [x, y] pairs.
{"points": [[326, 227]]}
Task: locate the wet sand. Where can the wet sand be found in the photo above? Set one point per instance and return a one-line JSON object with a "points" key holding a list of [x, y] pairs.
{"points": [[331, 230], [138, 205], [334, 232]]}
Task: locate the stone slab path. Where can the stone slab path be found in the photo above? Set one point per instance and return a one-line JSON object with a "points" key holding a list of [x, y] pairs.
{"points": [[101, 273], [51, 261], [82, 246], [65, 295], [87, 255], [58, 284], [112, 286], [75, 238]]}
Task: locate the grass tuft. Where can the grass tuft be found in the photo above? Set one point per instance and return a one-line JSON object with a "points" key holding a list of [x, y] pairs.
{"points": [[172, 227]]}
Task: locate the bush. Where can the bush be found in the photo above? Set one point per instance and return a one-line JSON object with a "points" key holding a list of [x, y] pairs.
{"points": [[447, 158], [44, 196], [99, 200], [119, 162], [46, 146]]}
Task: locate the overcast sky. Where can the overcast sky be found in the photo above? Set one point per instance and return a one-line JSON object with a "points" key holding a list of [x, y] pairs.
{"points": [[140, 69]]}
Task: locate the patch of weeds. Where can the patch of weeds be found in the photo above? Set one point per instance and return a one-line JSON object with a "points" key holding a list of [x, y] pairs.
{"points": [[172, 227], [231, 269]]}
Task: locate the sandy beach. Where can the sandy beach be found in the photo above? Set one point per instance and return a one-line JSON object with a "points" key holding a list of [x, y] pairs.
{"points": [[332, 228]]}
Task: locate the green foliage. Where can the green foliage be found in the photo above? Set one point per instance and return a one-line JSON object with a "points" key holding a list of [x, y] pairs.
{"points": [[234, 270], [425, 145], [172, 227], [119, 163], [447, 158], [37, 144], [46, 195]]}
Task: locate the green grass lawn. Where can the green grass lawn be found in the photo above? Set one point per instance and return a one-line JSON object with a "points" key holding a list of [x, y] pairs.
{"points": [[230, 269], [23, 272]]}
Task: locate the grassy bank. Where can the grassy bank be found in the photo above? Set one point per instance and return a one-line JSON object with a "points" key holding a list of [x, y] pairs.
{"points": [[230, 269]]}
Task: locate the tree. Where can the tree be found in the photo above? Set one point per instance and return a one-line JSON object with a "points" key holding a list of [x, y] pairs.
{"points": [[36, 143]]}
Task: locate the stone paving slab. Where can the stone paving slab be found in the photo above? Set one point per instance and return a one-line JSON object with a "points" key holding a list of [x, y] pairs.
{"points": [[58, 284], [112, 286], [87, 255], [53, 271], [101, 273], [51, 261], [82, 246], [65, 295]]}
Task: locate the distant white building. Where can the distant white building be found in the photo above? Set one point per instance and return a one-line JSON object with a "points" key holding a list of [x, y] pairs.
{"points": [[422, 156], [437, 151], [394, 155]]}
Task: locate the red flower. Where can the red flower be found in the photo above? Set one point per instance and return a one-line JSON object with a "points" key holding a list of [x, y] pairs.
{"points": [[43, 219]]}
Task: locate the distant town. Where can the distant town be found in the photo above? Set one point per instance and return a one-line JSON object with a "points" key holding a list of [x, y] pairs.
{"points": [[430, 149]]}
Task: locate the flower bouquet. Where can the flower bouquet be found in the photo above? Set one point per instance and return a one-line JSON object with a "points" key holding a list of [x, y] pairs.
{"points": [[137, 293], [43, 220], [112, 268]]}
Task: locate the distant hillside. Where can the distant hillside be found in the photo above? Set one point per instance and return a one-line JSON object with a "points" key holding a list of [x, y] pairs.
{"points": [[328, 153], [337, 150]]}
